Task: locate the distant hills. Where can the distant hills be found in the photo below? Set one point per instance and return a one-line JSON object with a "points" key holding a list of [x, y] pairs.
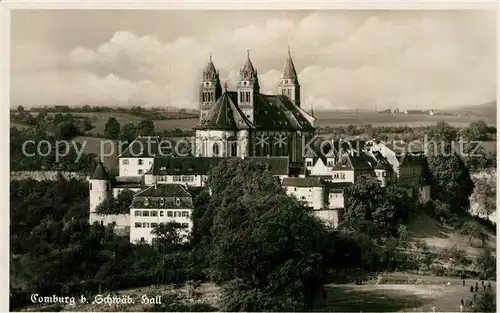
{"points": [[485, 109]]}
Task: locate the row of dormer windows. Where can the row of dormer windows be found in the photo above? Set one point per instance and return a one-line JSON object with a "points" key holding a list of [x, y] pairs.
{"points": [[170, 213], [162, 201], [139, 162], [153, 225]]}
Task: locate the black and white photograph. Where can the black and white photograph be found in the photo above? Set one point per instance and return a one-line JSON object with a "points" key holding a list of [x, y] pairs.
{"points": [[251, 159]]}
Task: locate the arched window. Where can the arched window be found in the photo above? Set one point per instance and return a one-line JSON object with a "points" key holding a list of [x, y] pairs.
{"points": [[216, 149], [177, 201], [234, 149]]}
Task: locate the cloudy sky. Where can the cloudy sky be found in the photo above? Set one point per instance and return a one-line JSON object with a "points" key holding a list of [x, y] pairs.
{"points": [[353, 59]]}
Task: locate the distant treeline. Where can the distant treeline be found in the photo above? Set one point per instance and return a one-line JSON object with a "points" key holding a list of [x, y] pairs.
{"points": [[149, 113], [397, 132]]}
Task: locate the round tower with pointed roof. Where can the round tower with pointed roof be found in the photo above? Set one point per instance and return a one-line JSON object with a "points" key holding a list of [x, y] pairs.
{"points": [[289, 83], [210, 89], [248, 89], [99, 187]]}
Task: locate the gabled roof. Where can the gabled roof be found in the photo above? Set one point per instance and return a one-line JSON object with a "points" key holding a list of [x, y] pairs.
{"points": [[276, 165], [142, 147], [348, 162], [164, 196], [310, 154], [225, 114], [100, 173], [271, 112], [303, 182], [165, 191]]}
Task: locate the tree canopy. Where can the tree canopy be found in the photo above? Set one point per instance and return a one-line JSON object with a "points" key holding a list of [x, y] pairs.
{"points": [[266, 248]]}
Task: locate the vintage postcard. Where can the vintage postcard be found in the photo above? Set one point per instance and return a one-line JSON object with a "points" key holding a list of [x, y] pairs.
{"points": [[220, 158]]}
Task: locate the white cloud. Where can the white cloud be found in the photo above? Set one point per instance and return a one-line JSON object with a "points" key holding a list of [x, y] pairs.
{"points": [[343, 61]]}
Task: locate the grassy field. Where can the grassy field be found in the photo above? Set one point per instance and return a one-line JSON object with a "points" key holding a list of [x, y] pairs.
{"points": [[400, 297], [381, 119], [438, 236], [329, 118]]}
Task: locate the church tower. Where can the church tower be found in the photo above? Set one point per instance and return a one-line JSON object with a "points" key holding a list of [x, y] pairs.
{"points": [[210, 90], [289, 83], [248, 89]]}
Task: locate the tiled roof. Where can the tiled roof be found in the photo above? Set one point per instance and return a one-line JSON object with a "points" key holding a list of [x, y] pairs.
{"points": [[100, 173], [303, 182], [128, 181], [184, 165], [276, 165], [203, 165], [225, 114], [348, 162], [273, 112], [142, 147], [337, 187], [165, 191]]}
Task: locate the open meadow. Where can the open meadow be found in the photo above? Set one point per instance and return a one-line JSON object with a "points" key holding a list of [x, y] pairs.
{"points": [[324, 118], [422, 294]]}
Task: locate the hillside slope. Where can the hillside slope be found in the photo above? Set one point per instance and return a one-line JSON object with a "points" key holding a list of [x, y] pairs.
{"points": [[437, 236]]}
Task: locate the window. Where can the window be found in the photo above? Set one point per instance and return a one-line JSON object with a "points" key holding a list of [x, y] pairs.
{"points": [[154, 213], [303, 198], [145, 225], [184, 225], [342, 175], [153, 225], [187, 178], [295, 189], [137, 213], [145, 213], [139, 172], [142, 239], [138, 225], [185, 214], [139, 162], [309, 163], [177, 201], [125, 162], [233, 149], [216, 149], [176, 178], [169, 213], [162, 201], [177, 214], [90, 186], [162, 213], [146, 203]]}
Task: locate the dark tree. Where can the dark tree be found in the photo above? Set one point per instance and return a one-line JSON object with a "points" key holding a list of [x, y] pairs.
{"points": [[112, 128], [266, 246], [452, 183], [128, 132], [145, 128]]}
